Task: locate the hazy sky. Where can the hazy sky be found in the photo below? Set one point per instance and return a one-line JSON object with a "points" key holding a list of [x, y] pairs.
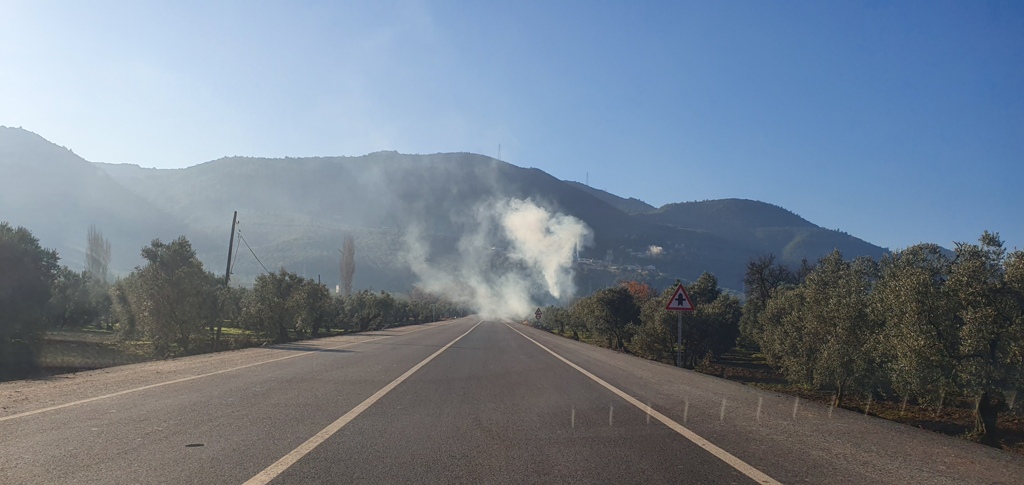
{"points": [[898, 122]]}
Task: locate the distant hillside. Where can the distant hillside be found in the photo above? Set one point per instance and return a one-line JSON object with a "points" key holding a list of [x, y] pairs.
{"points": [[629, 206], [295, 211], [727, 215], [383, 189], [762, 227], [57, 195]]}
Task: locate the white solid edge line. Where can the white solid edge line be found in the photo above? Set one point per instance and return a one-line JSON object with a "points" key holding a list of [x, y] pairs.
{"points": [[731, 460], [189, 378], [286, 461]]}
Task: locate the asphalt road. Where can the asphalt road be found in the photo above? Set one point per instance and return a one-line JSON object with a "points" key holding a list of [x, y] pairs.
{"points": [[465, 401]]}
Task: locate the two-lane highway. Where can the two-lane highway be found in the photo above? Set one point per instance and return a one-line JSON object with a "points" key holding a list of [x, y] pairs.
{"points": [[465, 401], [496, 408]]}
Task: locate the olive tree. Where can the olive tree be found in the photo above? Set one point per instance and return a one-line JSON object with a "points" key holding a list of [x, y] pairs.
{"points": [[984, 285], [709, 331], [654, 338], [26, 284], [762, 281], [171, 298], [712, 329], [920, 333], [609, 313], [821, 333], [269, 308]]}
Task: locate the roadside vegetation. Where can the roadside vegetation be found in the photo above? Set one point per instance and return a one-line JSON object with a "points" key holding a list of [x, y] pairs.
{"points": [[925, 336], [55, 319]]}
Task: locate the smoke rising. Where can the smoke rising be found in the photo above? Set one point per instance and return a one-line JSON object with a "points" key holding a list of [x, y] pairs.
{"points": [[514, 256]]}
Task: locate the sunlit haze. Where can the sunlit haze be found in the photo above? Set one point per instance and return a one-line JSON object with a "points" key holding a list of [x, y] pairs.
{"points": [[897, 122]]}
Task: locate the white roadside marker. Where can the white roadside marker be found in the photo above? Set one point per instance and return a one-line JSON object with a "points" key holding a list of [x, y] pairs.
{"points": [[731, 460]]}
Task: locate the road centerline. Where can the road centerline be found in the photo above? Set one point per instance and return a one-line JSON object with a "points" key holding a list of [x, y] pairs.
{"points": [[286, 461], [190, 378], [728, 458]]}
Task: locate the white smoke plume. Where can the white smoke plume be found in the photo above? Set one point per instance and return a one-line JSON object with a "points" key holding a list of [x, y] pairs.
{"points": [[517, 257], [655, 251]]}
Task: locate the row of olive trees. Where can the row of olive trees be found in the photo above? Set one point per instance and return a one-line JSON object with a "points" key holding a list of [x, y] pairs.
{"points": [[284, 304], [632, 317], [921, 324], [37, 293], [366, 310], [172, 301]]}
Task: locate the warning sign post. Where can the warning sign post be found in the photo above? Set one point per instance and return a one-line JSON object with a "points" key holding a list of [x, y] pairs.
{"points": [[680, 302]]}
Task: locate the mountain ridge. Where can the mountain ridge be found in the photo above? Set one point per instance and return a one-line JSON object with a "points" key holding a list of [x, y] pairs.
{"points": [[57, 194], [629, 205], [297, 209]]}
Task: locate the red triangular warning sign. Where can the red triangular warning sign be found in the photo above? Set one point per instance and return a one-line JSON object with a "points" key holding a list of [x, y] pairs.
{"points": [[680, 301]]}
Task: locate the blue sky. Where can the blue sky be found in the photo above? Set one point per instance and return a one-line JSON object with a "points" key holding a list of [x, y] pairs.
{"points": [[897, 122]]}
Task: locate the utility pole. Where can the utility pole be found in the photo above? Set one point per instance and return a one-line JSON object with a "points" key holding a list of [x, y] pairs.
{"points": [[231, 247], [227, 279]]}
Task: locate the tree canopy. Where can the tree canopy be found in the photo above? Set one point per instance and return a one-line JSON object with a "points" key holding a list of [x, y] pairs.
{"points": [[26, 286]]}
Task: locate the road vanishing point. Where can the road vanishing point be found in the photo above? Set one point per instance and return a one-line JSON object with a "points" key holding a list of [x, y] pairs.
{"points": [[462, 401]]}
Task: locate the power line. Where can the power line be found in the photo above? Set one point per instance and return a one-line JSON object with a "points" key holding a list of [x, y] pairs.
{"points": [[235, 259], [253, 253]]}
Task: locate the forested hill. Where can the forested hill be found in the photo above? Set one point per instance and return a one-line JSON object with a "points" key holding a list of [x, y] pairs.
{"points": [[761, 227], [57, 195], [295, 211], [629, 206]]}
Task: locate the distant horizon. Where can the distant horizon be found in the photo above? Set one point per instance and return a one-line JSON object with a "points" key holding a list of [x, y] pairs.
{"points": [[948, 245]]}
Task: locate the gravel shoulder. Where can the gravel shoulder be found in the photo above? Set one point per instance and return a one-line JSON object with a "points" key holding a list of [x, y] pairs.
{"points": [[793, 440], [22, 396]]}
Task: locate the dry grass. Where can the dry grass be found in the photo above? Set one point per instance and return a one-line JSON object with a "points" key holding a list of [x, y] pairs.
{"points": [[954, 419], [75, 350]]}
